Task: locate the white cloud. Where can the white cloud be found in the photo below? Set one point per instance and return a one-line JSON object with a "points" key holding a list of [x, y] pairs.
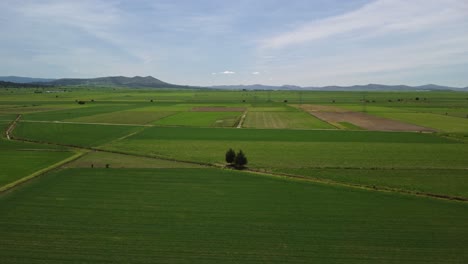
{"points": [[227, 72], [256, 73], [378, 17]]}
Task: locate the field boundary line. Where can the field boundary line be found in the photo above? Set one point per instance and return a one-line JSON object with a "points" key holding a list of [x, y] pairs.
{"points": [[360, 186], [12, 126], [40, 172], [241, 121]]}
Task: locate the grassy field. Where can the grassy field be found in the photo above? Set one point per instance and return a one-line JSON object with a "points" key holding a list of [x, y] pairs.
{"points": [[72, 134], [405, 156], [201, 119], [216, 216], [124, 117], [431, 117], [451, 182], [89, 109], [284, 120], [114, 160], [145, 210], [19, 160]]}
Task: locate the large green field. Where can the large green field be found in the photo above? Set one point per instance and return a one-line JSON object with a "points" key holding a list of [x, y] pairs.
{"points": [[312, 191], [19, 160], [86, 135], [216, 216]]}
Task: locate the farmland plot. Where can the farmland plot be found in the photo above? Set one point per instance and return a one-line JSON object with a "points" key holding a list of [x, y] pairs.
{"points": [[19, 160], [338, 116], [217, 216], [201, 119], [124, 117], [86, 135], [452, 182], [304, 152], [291, 120]]}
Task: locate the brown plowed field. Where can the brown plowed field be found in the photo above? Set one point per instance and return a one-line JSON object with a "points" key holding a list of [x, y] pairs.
{"points": [[218, 109], [335, 115]]}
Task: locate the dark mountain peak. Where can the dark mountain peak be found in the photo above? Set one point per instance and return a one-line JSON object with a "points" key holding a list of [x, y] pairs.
{"points": [[120, 81]]}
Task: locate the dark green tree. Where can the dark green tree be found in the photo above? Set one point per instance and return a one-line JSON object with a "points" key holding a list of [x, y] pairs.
{"points": [[230, 156], [240, 160]]}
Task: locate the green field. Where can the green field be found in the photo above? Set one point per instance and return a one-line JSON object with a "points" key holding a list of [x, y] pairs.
{"points": [[311, 193], [215, 216], [19, 160], [285, 120], [85, 135], [452, 182], [114, 160], [201, 119]]}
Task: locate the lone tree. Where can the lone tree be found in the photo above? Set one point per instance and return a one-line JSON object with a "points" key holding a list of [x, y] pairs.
{"points": [[240, 160], [230, 156]]}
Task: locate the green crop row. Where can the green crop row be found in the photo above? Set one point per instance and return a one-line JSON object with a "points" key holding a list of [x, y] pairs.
{"points": [[216, 216]]}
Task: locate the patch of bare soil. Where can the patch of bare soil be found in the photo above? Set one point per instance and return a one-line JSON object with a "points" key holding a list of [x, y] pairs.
{"points": [[218, 109], [335, 115]]}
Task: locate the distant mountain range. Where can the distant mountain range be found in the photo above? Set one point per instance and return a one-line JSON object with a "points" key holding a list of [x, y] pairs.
{"points": [[119, 81], [17, 79], [368, 87], [151, 82]]}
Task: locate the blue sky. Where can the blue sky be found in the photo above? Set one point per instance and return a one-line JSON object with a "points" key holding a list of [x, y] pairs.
{"points": [[275, 42]]}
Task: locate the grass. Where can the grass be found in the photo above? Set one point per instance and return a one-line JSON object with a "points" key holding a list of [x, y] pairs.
{"points": [[284, 154], [216, 216], [435, 181], [123, 117], [436, 121], [285, 135], [88, 109], [101, 159], [72, 134], [201, 119], [431, 117], [284, 120], [22, 159]]}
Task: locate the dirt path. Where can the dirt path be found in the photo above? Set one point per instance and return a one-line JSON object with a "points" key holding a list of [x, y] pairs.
{"points": [[11, 127], [241, 122]]}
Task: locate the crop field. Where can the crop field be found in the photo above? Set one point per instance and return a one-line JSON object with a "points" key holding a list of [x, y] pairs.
{"points": [[71, 113], [291, 120], [435, 181], [428, 117], [114, 160], [155, 187], [123, 117], [19, 160], [215, 216], [85, 135], [201, 119]]}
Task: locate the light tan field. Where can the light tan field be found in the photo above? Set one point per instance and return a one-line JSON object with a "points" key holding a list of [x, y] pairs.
{"points": [[335, 115]]}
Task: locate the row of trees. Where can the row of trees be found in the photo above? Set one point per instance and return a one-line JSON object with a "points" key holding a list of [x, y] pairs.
{"points": [[238, 160]]}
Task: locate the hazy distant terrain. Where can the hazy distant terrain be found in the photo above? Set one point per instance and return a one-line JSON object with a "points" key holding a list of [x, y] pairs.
{"points": [[151, 82]]}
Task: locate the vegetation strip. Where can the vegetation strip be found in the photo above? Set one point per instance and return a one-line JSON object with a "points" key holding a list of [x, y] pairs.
{"points": [[40, 172], [360, 186], [311, 179]]}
